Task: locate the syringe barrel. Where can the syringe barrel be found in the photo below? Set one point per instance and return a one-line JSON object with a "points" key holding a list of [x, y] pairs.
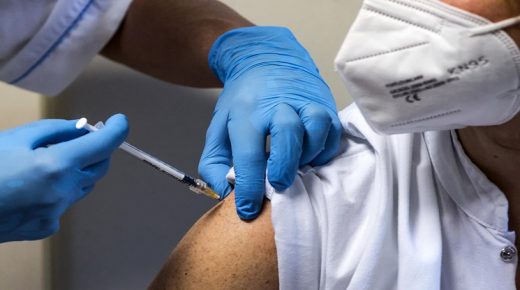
{"points": [[158, 164], [136, 152], [196, 185]]}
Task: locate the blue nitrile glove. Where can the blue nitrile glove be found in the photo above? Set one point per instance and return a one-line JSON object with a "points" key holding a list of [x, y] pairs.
{"points": [[39, 182], [271, 87]]}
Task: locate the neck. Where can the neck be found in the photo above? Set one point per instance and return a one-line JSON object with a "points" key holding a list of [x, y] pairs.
{"points": [[496, 151]]}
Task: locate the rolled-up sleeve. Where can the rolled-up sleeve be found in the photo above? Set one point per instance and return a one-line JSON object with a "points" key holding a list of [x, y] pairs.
{"points": [[44, 45]]}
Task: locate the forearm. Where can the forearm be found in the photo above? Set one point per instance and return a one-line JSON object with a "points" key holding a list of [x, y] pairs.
{"points": [[171, 39]]}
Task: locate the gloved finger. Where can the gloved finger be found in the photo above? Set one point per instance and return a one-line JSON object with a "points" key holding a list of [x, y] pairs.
{"points": [[89, 176], [287, 132], [10, 222], [317, 122], [93, 173], [80, 194], [54, 206], [249, 159], [331, 145], [36, 229], [216, 158], [95, 146], [87, 189], [84, 192], [45, 132]]}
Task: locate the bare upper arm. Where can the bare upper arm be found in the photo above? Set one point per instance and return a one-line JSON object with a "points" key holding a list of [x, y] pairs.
{"points": [[223, 252]]}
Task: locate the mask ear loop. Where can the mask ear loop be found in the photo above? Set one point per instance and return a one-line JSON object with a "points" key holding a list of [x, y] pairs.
{"points": [[494, 26]]}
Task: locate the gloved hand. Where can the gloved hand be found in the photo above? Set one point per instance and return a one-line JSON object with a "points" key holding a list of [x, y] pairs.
{"points": [[271, 87], [39, 182]]}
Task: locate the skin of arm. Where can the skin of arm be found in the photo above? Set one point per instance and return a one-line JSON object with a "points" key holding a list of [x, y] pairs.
{"points": [[171, 39], [223, 252]]}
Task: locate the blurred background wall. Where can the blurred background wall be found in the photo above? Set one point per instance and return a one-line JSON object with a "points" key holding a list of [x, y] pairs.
{"points": [[119, 236]]}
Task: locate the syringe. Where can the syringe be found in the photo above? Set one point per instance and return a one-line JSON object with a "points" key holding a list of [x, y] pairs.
{"points": [[195, 185]]}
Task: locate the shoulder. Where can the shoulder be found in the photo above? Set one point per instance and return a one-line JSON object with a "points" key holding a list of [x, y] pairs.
{"points": [[222, 251]]}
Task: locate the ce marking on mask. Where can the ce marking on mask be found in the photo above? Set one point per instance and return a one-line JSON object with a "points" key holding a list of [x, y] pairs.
{"points": [[410, 89]]}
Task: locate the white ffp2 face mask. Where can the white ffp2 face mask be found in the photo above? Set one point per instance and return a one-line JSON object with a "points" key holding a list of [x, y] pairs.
{"points": [[419, 65]]}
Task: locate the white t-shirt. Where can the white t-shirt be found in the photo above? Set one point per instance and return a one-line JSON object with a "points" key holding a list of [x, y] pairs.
{"points": [[403, 212], [44, 44]]}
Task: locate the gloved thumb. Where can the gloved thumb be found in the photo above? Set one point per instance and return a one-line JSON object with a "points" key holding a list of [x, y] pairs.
{"points": [[215, 176], [97, 146], [216, 158], [45, 132]]}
